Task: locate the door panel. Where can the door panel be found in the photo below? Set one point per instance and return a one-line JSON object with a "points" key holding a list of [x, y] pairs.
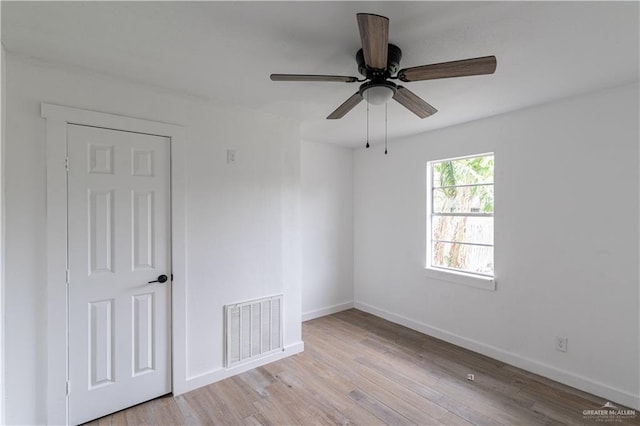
{"points": [[119, 240]]}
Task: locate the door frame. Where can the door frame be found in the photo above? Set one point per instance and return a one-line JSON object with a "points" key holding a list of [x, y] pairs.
{"points": [[57, 118]]}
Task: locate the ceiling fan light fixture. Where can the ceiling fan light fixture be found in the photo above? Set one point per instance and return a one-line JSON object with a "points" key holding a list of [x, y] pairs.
{"points": [[378, 93]]}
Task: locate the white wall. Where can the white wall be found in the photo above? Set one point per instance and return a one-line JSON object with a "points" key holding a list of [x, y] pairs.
{"points": [[326, 174], [566, 235], [243, 220]]}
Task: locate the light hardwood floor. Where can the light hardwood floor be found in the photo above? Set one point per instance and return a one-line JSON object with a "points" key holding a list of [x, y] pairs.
{"points": [[360, 369]]}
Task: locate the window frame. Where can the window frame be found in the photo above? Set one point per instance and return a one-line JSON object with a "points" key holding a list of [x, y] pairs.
{"points": [[478, 280]]}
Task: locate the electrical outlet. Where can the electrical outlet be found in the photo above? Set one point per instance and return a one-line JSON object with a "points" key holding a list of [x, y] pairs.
{"points": [[231, 156], [561, 344]]}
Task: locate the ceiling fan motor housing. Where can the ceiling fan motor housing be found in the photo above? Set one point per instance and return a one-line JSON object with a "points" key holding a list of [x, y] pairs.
{"points": [[394, 54]]}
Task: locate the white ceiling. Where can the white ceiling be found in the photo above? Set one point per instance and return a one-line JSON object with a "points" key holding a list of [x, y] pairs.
{"points": [[225, 51]]}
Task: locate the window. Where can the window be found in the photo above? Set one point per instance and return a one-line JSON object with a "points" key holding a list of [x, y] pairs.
{"points": [[460, 220]]}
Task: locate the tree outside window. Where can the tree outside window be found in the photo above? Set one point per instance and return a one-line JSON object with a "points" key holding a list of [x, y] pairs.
{"points": [[460, 220]]}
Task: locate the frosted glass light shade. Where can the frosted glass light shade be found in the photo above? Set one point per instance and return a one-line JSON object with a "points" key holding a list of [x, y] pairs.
{"points": [[378, 95]]}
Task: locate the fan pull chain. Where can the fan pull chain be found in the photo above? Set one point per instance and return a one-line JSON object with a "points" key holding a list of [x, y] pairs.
{"points": [[385, 128], [367, 95]]}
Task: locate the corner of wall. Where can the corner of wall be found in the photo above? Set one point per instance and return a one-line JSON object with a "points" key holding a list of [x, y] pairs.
{"points": [[327, 229], [207, 378], [3, 109], [317, 313]]}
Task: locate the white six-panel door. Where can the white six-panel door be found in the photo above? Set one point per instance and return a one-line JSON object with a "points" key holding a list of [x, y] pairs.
{"points": [[119, 240]]}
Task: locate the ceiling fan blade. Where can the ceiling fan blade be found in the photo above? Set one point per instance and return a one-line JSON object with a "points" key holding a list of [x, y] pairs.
{"points": [[347, 106], [462, 68], [413, 102], [313, 77], [374, 35]]}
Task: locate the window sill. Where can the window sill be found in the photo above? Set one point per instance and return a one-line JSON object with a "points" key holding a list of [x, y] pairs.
{"points": [[484, 283]]}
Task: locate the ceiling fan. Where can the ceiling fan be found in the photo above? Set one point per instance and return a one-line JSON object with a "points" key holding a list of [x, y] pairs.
{"points": [[378, 61]]}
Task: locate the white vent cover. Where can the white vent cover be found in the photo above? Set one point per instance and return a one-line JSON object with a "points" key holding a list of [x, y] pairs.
{"points": [[253, 329]]}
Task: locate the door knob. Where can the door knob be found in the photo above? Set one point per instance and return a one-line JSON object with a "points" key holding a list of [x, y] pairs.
{"points": [[161, 279]]}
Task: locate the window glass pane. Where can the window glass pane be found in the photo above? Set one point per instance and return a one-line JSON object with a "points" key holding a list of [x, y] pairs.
{"points": [[465, 229], [474, 259], [460, 190], [468, 199], [465, 171]]}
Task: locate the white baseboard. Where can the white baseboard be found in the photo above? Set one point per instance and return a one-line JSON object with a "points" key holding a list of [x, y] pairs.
{"points": [[326, 311], [579, 382], [213, 376]]}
